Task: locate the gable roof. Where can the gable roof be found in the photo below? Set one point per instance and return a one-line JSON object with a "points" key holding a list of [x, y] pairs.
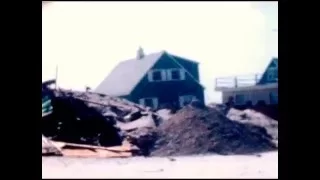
{"points": [[272, 63], [127, 74], [183, 58]]}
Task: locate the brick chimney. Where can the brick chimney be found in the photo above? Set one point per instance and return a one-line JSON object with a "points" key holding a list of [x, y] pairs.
{"points": [[140, 53]]}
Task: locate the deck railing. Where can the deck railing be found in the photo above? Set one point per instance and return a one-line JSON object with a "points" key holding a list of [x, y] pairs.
{"points": [[237, 81]]}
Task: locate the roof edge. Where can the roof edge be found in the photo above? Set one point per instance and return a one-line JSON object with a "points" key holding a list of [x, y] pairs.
{"points": [[186, 59], [161, 53], [192, 77]]}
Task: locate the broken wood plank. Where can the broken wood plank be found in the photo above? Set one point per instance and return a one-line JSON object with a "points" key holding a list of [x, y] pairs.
{"points": [[94, 153], [122, 148], [112, 104]]}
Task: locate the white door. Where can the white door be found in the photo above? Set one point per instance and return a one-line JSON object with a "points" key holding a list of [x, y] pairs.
{"points": [[149, 102], [186, 99]]}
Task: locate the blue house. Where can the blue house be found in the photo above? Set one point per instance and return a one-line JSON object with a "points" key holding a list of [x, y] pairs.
{"points": [[258, 88], [156, 80]]}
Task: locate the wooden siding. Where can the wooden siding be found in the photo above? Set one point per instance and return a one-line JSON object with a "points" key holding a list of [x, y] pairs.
{"points": [[166, 91]]}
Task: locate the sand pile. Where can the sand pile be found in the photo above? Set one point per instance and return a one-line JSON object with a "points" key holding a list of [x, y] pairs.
{"points": [[206, 130]]}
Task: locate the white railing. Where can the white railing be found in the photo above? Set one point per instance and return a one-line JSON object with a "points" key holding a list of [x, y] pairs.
{"points": [[237, 81]]}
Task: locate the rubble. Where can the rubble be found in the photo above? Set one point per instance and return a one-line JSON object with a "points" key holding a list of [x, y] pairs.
{"points": [[73, 121], [144, 138], [49, 148], [91, 119], [165, 114], [144, 121], [87, 124], [79, 150], [256, 118], [206, 130]]}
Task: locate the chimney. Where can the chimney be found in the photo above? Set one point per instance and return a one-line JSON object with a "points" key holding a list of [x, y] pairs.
{"points": [[140, 53]]}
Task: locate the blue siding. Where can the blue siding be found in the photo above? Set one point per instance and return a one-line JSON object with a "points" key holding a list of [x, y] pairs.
{"points": [[272, 68]]}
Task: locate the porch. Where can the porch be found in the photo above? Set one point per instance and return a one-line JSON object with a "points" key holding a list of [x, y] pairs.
{"points": [[237, 81]]}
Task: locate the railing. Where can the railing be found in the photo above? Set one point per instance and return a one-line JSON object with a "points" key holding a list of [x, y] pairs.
{"points": [[237, 81]]}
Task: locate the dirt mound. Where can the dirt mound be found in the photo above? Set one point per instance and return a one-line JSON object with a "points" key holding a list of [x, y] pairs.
{"points": [[197, 131], [250, 116]]}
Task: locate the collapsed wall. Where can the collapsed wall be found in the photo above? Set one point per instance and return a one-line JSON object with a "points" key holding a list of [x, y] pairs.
{"points": [[73, 121]]}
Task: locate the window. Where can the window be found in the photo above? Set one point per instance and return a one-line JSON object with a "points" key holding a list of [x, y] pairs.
{"points": [[239, 99], [149, 102], [273, 98], [185, 100], [157, 75], [272, 74], [176, 74], [163, 75]]}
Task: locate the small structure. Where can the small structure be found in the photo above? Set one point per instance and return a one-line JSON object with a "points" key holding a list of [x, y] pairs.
{"points": [[252, 90], [155, 80]]}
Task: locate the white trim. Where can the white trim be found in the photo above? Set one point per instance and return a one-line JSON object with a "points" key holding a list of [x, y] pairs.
{"points": [[182, 75], [155, 102], [187, 72], [163, 75], [256, 87]]}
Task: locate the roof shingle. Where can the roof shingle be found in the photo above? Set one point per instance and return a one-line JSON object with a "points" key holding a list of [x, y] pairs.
{"points": [[126, 75]]}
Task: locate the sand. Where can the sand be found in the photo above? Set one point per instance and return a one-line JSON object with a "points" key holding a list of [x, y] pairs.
{"points": [[199, 166]]}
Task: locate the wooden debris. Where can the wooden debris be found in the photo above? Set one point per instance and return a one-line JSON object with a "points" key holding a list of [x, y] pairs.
{"points": [[81, 150], [49, 148]]}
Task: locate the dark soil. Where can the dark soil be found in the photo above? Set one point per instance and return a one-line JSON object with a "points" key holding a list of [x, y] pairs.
{"points": [[206, 130]]}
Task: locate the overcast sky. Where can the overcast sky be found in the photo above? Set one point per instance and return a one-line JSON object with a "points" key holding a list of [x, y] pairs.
{"points": [[87, 39]]}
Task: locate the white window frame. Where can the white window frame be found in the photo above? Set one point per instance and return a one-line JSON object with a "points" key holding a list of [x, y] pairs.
{"points": [[181, 71], [163, 75], [184, 98], [236, 102], [155, 102]]}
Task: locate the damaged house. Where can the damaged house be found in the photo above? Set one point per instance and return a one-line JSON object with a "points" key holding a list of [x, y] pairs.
{"points": [[157, 80], [259, 90]]}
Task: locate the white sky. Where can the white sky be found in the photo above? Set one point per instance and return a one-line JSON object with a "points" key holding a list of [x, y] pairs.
{"points": [[87, 39]]}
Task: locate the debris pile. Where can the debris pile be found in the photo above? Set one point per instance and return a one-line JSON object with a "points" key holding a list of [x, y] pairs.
{"points": [[73, 121], [86, 118], [49, 148], [86, 124], [80, 150], [250, 116], [203, 130]]}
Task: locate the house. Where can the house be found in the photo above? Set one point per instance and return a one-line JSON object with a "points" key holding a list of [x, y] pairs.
{"points": [[252, 90], [155, 80]]}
